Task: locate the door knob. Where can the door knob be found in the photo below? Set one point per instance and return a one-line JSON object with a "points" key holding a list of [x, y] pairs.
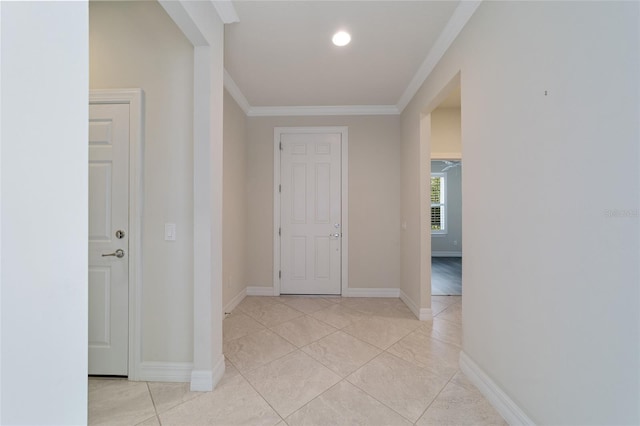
{"points": [[336, 235], [118, 253]]}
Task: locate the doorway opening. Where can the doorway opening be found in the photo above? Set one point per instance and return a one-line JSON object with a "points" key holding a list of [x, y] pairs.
{"points": [[446, 196]]}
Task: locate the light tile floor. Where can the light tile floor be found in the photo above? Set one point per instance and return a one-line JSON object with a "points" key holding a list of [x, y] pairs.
{"points": [[317, 361]]}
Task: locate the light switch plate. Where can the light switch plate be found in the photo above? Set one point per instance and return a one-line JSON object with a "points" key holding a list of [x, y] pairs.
{"points": [[169, 231]]}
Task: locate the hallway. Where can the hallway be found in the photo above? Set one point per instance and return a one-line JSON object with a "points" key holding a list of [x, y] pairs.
{"points": [[317, 361]]}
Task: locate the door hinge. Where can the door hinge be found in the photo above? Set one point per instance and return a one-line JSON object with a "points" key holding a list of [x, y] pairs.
{"points": [[280, 232], [279, 274], [280, 146], [279, 188]]}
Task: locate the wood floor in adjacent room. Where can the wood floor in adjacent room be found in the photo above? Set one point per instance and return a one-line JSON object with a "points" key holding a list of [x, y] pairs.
{"points": [[446, 276]]}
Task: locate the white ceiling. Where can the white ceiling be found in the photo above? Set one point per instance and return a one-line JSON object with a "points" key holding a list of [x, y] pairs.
{"points": [[280, 53]]}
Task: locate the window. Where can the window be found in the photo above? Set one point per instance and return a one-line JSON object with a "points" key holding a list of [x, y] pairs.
{"points": [[438, 203]]}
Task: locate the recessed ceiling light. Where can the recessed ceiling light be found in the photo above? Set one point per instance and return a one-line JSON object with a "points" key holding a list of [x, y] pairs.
{"points": [[341, 38]]}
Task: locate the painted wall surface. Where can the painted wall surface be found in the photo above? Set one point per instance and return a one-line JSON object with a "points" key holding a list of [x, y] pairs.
{"points": [[374, 197], [451, 242], [234, 214], [44, 213], [446, 137], [136, 44], [555, 326]]}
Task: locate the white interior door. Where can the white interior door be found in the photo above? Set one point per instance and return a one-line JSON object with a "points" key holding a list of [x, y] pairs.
{"points": [[311, 228], [108, 239]]}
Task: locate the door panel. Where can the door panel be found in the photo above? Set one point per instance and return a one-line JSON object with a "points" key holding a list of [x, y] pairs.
{"points": [[310, 213], [108, 213]]}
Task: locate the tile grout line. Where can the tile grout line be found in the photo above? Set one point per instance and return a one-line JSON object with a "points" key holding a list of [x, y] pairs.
{"points": [[155, 409]]}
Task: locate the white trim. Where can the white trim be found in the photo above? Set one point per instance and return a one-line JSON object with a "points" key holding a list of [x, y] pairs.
{"points": [[278, 111], [235, 301], [151, 371], [372, 292], [260, 291], [344, 131], [226, 11], [446, 253], [446, 156], [134, 98], [423, 314], [505, 406], [459, 19], [206, 380], [236, 93]]}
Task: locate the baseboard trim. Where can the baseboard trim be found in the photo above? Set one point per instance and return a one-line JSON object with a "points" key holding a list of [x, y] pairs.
{"points": [[446, 254], [234, 302], [259, 291], [423, 314], [201, 381], [504, 405], [372, 292], [151, 371], [207, 380]]}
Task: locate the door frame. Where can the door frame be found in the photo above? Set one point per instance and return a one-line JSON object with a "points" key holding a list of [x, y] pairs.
{"points": [[134, 98], [344, 171]]}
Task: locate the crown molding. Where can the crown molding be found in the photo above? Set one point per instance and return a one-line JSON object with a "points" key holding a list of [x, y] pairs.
{"points": [[459, 19], [236, 93], [226, 11], [275, 111]]}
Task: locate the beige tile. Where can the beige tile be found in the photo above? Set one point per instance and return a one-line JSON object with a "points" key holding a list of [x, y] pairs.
{"points": [[272, 314], [119, 402], [461, 380], [308, 305], [304, 330], [256, 349], [457, 405], [168, 395], [345, 404], [237, 325], [452, 313], [254, 303], [290, 382], [234, 402], [437, 307], [372, 305], [424, 351], [377, 331], [153, 421], [447, 300], [337, 315], [399, 315], [334, 299], [400, 385], [341, 352], [443, 330]]}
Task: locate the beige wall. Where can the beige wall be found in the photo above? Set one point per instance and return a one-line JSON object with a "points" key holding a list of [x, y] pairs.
{"points": [[555, 326], [136, 45], [234, 214], [446, 139], [374, 198]]}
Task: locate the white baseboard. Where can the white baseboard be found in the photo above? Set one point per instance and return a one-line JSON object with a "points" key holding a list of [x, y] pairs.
{"points": [[446, 254], [234, 302], [372, 292], [259, 291], [207, 380], [151, 371], [423, 314], [201, 381], [504, 405]]}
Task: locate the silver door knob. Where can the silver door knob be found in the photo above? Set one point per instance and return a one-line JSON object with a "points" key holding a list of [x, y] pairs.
{"points": [[118, 253], [336, 235]]}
